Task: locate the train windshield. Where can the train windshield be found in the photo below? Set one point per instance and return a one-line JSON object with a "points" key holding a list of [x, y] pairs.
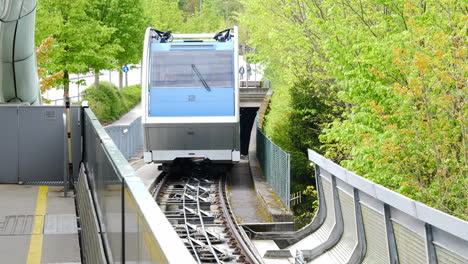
{"points": [[204, 69], [192, 80]]}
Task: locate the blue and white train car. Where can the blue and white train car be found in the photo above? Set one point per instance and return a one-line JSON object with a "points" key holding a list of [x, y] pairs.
{"points": [[190, 95]]}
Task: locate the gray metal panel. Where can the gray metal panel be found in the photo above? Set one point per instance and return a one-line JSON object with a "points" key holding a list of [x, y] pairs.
{"points": [[327, 192], [33, 143], [371, 202], [93, 250], [411, 246], [413, 224], [446, 240], [108, 199], [445, 256], [191, 137], [157, 240], [8, 145], [374, 226], [41, 145], [127, 138]]}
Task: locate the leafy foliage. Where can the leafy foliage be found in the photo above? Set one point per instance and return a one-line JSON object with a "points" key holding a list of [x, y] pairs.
{"points": [[108, 103], [96, 35], [80, 40], [46, 81], [377, 85], [189, 16]]}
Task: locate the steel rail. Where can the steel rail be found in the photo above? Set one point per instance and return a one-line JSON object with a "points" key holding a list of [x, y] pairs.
{"points": [[187, 229], [159, 186], [240, 239], [203, 227]]}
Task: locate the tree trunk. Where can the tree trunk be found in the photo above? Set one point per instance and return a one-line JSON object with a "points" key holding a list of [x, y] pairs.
{"points": [[96, 79], [121, 79], [66, 87]]}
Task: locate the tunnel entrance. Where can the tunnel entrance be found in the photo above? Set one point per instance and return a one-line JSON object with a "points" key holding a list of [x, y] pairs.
{"points": [[247, 118]]}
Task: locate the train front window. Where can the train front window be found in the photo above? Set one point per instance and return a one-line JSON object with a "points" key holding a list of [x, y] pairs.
{"points": [[191, 80], [204, 69]]}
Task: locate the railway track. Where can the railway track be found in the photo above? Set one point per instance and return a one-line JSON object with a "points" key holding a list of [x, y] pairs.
{"points": [[197, 207]]}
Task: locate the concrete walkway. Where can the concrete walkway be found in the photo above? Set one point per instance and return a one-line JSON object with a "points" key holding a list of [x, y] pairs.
{"points": [[37, 225], [243, 197], [129, 117]]}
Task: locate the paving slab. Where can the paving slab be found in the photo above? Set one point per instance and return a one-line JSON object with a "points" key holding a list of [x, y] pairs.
{"points": [[21, 228]]}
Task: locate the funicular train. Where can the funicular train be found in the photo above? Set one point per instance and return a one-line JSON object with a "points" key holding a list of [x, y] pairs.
{"points": [[190, 97]]}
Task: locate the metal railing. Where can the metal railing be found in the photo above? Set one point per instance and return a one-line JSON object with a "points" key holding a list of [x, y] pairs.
{"points": [[275, 163], [127, 138], [372, 224], [73, 99], [359, 221], [131, 226]]}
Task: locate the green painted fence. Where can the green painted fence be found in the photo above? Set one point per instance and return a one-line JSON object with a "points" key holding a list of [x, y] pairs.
{"points": [[275, 163]]}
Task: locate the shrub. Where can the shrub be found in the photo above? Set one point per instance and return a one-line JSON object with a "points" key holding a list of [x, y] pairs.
{"points": [[108, 104]]}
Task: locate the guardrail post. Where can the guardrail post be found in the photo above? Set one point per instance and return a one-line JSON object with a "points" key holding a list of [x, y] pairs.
{"points": [[392, 247], [361, 248], [322, 209], [430, 249]]}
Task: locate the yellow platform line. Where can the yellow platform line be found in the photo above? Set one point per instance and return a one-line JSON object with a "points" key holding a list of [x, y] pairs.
{"points": [[37, 237]]}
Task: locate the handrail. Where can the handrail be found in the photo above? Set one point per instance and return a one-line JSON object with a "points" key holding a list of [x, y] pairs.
{"points": [[405, 220], [418, 210], [117, 190]]}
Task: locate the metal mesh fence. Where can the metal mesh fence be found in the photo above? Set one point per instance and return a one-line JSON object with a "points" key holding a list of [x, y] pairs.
{"points": [[275, 163], [127, 138]]}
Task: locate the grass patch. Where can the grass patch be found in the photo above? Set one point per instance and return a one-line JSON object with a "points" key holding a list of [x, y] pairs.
{"points": [[108, 104]]}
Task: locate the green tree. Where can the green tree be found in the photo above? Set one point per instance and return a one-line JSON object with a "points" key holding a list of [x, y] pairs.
{"points": [[107, 45], [189, 16], [78, 37], [129, 21], [46, 80], [164, 15], [206, 21], [379, 86]]}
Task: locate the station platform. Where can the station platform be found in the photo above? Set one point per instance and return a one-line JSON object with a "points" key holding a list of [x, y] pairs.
{"points": [[37, 225]]}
